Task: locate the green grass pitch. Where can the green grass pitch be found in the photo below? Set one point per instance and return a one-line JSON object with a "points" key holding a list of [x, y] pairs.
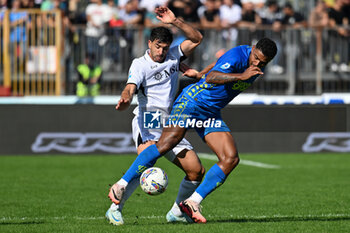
{"points": [[307, 193]]}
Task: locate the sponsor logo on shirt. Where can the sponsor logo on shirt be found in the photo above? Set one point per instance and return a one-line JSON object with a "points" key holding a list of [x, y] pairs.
{"points": [[225, 66], [240, 85], [166, 73]]}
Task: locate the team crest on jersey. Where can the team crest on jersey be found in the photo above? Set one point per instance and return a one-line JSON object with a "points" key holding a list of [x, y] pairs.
{"points": [[158, 76], [225, 66]]}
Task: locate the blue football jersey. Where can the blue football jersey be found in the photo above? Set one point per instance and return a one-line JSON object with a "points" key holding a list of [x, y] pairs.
{"points": [[216, 96]]}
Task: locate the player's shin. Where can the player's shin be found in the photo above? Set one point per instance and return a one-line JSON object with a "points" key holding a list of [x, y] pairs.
{"points": [[213, 179], [128, 192], [144, 160]]}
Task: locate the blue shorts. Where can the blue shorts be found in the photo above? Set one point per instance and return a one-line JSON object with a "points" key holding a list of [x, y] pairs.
{"points": [[187, 114]]}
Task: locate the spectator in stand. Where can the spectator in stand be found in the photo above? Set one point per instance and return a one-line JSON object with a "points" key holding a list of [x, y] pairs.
{"points": [[27, 4], [113, 32], [257, 4], [115, 20], [250, 18], [131, 15], [271, 15], [319, 15], [151, 21], [190, 13], [209, 15], [76, 11], [97, 15], [230, 15], [3, 5], [20, 23], [295, 19], [47, 5], [90, 76], [337, 17], [346, 9], [187, 10], [339, 41], [37, 3], [121, 4], [150, 5], [177, 7]]}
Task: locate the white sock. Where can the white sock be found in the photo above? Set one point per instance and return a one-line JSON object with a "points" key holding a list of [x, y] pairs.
{"points": [[122, 182], [130, 188], [114, 206], [186, 188], [196, 197], [176, 210]]}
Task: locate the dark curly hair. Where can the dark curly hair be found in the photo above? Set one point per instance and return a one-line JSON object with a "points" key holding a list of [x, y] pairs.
{"points": [[267, 47], [162, 34]]}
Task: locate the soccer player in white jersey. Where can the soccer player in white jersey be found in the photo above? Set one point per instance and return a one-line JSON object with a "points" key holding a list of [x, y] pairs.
{"points": [[154, 78]]}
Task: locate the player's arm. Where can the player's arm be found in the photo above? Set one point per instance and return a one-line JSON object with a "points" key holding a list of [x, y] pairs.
{"points": [[165, 15], [217, 77], [126, 97], [192, 73]]}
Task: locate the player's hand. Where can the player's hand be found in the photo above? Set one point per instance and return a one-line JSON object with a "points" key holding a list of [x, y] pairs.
{"points": [[191, 73], [165, 15], [250, 72], [123, 104]]}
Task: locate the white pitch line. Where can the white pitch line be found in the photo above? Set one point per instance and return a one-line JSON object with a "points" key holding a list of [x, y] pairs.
{"points": [[247, 217], [244, 162]]}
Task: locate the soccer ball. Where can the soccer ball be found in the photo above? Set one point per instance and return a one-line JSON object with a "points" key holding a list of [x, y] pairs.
{"points": [[153, 181]]}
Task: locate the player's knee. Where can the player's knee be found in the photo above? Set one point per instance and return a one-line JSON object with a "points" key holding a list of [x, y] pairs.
{"points": [[165, 144], [196, 174], [232, 159]]}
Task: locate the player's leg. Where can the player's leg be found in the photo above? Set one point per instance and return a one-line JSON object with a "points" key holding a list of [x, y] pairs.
{"points": [[188, 161], [169, 139], [222, 143], [114, 213]]}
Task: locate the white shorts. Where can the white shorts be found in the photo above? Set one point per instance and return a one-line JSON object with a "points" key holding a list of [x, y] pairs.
{"points": [[141, 135]]}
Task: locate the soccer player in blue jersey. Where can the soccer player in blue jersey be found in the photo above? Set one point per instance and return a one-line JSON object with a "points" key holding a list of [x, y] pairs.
{"points": [[198, 106]]}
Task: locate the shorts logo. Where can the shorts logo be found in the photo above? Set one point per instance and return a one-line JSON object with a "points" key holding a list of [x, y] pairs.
{"points": [[225, 66], [152, 120]]}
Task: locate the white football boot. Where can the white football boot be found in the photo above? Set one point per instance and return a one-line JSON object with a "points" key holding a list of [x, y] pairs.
{"points": [[114, 216], [171, 217]]}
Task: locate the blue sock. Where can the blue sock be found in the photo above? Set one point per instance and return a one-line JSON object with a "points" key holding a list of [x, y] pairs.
{"points": [[144, 160], [213, 179]]}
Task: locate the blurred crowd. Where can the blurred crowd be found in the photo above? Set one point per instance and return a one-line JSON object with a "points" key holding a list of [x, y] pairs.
{"points": [[226, 15], [218, 14]]}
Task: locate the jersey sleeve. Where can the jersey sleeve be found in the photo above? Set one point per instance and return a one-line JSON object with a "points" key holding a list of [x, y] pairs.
{"points": [[227, 63], [135, 75], [177, 52]]}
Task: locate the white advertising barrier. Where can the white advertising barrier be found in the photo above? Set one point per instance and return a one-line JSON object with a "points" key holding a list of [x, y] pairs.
{"points": [[83, 142], [334, 142]]}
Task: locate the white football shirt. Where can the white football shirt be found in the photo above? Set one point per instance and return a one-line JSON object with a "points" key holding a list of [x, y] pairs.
{"points": [[156, 82]]}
